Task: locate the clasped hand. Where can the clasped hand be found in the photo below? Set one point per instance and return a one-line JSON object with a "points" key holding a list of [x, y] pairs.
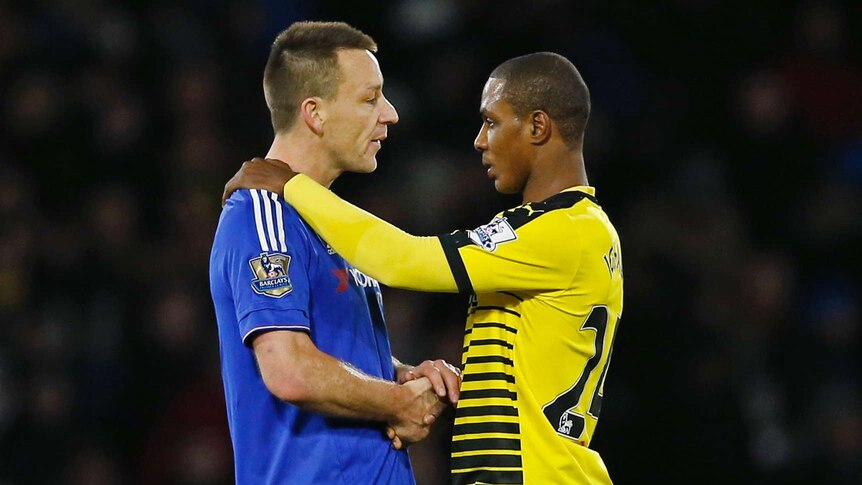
{"points": [[434, 387]]}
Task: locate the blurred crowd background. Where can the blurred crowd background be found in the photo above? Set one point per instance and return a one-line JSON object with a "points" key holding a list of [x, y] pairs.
{"points": [[725, 143]]}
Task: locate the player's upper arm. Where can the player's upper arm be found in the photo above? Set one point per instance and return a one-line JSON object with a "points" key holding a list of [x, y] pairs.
{"points": [[266, 259], [510, 253], [282, 357]]}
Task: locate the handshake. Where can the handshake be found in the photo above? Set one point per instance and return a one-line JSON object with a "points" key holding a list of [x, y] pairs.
{"points": [[428, 390]]}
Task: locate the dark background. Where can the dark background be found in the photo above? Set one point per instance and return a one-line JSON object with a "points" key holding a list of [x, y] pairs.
{"points": [[725, 143]]}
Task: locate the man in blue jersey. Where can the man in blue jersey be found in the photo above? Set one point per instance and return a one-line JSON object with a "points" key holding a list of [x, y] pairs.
{"points": [[310, 382]]}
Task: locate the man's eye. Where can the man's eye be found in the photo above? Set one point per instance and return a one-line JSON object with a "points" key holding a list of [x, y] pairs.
{"points": [[372, 100]]}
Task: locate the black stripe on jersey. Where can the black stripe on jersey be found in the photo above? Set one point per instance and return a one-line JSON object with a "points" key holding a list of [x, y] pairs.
{"points": [[519, 216], [492, 324], [499, 308], [486, 444], [499, 477], [512, 295], [451, 243], [489, 376], [486, 461], [463, 412], [486, 393], [490, 341], [477, 428], [487, 341], [489, 359]]}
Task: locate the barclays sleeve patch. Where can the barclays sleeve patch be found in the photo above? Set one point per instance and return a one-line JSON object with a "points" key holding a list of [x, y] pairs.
{"points": [[492, 234], [271, 274]]}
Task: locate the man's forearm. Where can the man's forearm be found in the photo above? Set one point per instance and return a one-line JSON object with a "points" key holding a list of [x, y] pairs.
{"points": [[299, 373], [338, 389], [296, 371]]}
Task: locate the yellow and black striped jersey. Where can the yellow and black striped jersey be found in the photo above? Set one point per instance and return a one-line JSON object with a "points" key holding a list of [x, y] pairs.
{"points": [[548, 283], [547, 286]]}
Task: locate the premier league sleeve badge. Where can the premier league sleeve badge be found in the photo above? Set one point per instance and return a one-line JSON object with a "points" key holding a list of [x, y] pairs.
{"points": [[490, 235], [271, 274]]}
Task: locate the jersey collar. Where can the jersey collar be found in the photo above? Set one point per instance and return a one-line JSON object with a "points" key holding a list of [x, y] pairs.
{"points": [[587, 189]]}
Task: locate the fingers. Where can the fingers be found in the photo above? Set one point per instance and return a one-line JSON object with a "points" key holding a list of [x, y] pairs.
{"points": [[233, 184], [435, 412], [403, 436], [444, 377], [393, 437], [435, 376], [405, 374], [422, 383], [452, 380], [258, 173]]}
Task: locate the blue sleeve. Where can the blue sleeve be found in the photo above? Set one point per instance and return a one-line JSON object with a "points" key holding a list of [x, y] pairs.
{"points": [[269, 256]]}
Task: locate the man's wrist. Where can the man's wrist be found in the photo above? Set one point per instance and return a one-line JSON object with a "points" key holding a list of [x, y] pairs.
{"points": [[396, 403], [285, 187]]}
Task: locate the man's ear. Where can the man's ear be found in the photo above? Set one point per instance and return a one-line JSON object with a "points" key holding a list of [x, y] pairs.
{"points": [[540, 127], [312, 114]]}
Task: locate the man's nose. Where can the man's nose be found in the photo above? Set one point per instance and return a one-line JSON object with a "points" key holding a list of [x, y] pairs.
{"points": [[389, 116], [481, 141]]}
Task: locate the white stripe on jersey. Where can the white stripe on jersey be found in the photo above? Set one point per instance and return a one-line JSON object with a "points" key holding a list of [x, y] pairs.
{"points": [[258, 220], [280, 220], [270, 227]]}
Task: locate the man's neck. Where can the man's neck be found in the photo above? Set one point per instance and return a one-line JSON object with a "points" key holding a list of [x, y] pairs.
{"points": [[554, 173], [303, 156]]}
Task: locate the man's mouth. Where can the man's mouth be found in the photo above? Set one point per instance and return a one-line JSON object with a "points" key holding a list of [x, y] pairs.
{"points": [[488, 168]]}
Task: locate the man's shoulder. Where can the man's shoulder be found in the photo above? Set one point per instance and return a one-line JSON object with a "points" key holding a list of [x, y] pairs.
{"points": [[261, 215], [557, 212], [259, 203], [567, 216]]}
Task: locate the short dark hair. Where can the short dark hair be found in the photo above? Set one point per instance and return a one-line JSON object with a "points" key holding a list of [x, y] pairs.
{"points": [[548, 82], [303, 62]]}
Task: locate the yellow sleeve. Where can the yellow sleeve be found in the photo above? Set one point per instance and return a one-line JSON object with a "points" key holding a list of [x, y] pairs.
{"points": [[517, 250], [375, 247]]}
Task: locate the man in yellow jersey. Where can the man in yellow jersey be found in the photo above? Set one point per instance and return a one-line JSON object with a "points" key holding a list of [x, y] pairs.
{"points": [[545, 278]]}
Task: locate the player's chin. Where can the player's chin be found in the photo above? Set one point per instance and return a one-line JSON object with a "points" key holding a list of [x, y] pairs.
{"points": [[367, 165], [502, 186]]}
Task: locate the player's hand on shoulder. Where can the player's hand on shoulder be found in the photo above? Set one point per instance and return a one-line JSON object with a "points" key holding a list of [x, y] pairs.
{"points": [[259, 173]]}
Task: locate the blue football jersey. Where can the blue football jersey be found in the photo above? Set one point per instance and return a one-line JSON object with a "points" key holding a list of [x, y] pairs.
{"points": [[269, 271]]}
